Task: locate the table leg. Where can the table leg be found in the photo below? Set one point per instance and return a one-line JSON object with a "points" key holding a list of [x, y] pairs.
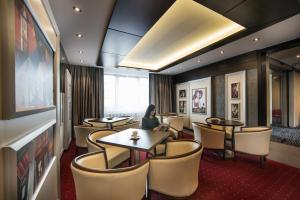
{"points": [[136, 157]]}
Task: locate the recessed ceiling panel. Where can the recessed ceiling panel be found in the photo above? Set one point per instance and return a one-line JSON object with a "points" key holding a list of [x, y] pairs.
{"points": [[185, 28]]}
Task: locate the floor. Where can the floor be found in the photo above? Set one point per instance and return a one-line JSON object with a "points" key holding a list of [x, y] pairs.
{"points": [[239, 178], [290, 136]]}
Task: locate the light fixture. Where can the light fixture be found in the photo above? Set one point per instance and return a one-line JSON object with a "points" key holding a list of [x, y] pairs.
{"points": [[79, 35], [171, 38], [62, 58], [256, 39], [80, 51], [222, 52], [77, 9], [298, 56], [81, 60]]}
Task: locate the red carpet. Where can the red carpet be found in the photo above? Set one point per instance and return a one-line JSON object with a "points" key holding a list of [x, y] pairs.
{"points": [[239, 178]]}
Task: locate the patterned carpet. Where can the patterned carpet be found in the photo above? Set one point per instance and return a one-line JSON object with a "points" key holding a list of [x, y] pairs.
{"points": [[290, 136], [234, 179]]}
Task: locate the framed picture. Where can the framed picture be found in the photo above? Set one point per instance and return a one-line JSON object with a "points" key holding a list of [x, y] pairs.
{"points": [[235, 90], [182, 107], [30, 74], [182, 94], [199, 101], [235, 111]]}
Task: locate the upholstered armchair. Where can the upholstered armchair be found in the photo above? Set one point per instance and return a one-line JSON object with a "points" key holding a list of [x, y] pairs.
{"points": [[133, 124], [254, 141], [197, 131], [213, 139], [81, 133], [93, 181], [115, 155], [176, 125], [176, 174], [228, 129]]}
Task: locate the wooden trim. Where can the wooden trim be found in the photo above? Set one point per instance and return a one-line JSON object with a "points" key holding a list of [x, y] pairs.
{"points": [[182, 155], [95, 143], [129, 123], [107, 171]]}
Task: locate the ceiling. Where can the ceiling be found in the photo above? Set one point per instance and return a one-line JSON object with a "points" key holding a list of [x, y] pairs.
{"points": [[111, 29], [288, 56]]}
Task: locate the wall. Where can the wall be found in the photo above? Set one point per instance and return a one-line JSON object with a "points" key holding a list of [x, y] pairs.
{"points": [[217, 72], [294, 105], [11, 130]]}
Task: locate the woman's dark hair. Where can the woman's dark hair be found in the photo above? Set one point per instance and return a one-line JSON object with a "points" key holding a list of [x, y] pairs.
{"points": [[150, 108]]}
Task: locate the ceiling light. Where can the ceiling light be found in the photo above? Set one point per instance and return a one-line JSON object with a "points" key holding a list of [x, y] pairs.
{"points": [[198, 61], [171, 38], [77, 9], [81, 60], [80, 51], [256, 39], [222, 52], [79, 35], [298, 56], [62, 58]]}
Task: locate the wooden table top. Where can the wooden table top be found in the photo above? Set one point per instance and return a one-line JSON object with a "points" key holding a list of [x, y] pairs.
{"points": [[108, 119], [148, 139], [224, 122]]}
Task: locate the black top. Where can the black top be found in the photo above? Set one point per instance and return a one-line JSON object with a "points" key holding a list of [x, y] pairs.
{"points": [[149, 124]]}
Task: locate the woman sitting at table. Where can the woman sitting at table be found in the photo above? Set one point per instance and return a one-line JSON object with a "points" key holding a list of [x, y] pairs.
{"points": [[150, 121]]}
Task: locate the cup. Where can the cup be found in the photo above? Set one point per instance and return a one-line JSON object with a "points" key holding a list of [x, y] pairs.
{"points": [[134, 134]]}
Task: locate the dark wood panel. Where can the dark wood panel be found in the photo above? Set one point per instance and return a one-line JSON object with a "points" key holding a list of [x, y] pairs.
{"points": [[119, 42], [138, 16], [244, 62], [220, 6]]}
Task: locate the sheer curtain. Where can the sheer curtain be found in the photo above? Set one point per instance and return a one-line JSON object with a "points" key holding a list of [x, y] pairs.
{"points": [[126, 92]]}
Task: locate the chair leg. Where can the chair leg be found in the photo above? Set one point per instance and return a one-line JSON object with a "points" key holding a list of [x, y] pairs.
{"points": [[224, 152], [262, 160]]}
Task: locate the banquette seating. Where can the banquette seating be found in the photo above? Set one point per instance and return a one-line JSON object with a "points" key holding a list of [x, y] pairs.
{"points": [[94, 181], [115, 155]]}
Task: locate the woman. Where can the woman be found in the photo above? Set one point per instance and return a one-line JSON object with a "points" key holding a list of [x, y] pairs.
{"points": [[150, 121]]}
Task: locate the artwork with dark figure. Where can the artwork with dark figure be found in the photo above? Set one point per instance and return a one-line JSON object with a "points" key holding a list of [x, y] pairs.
{"points": [[235, 91], [182, 93], [235, 111], [199, 101]]}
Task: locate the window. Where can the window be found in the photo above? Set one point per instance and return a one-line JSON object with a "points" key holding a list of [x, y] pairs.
{"points": [[125, 95]]}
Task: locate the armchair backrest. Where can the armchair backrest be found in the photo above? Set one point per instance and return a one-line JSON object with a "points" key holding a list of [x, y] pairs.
{"points": [[196, 128], [134, 124], [81, 134], [92, 137], [256, 142], [93, 182], [212, 138], [176, 174]]}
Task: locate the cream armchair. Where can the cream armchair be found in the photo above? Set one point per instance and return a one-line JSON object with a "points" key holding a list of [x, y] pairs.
{"points": [[176, 174], [253, 140], [134, 124], [93, 181], [115, 155], [197, 131], [213, 139]]}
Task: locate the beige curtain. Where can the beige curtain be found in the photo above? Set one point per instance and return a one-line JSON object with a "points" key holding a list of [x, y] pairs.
{"points": [[161, 91], [87, 92]]}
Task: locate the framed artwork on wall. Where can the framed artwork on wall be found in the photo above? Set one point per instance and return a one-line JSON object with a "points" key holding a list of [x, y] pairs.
{"points": [[235, 91], [182, 107], [235, 111], [33, 63], [182, 94], [199, 101], [30, 75]]}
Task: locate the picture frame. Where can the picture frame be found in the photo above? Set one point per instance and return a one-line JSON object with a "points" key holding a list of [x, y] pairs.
{"points": [[29, 80], [235, 111], [199, 101], [182, 107], [235, 91], [182, 94]]}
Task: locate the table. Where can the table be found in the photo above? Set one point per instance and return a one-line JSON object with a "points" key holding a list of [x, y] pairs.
{"points": [[109, 120], [148, 140], [228, 123]]}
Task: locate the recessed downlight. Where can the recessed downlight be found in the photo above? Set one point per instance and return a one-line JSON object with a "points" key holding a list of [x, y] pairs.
{"points": [[298, 56], [62, 58], [79, 35], [222, 52], [77, 9], [80, 51], [81, 61], [256, 39]]}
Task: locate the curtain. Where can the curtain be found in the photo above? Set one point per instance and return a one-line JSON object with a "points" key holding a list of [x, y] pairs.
{"points": [[161, 92], [87, 92]]}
